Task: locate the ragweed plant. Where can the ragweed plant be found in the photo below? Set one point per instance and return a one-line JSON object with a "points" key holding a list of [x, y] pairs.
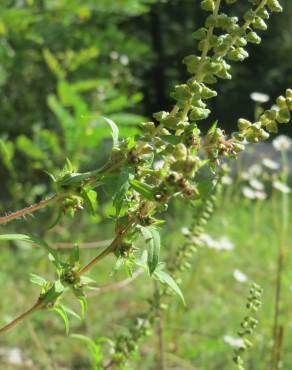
{"points": [[144, 189]]}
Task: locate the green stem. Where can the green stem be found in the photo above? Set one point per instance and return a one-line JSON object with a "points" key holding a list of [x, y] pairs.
{"points": [[278, 329]]}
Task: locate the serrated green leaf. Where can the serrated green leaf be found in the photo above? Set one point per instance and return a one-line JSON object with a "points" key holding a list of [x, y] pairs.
{"points": [[165, 278]]}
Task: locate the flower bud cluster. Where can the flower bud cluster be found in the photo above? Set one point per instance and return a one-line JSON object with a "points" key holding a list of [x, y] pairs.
{"points": [[268, 122], [248, 324]]}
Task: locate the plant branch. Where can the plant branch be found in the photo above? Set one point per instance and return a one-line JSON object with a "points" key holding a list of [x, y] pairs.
{"points": [[33, 208], [21, 317]]}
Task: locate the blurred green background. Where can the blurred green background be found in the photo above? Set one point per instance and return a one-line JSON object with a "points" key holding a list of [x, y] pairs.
{"points": [[65, 63]]}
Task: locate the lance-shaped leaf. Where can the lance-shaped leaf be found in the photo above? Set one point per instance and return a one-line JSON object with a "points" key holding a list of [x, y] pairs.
{"points": [[165, 278], [152, 239], [115, 132], [32, 239], [145, 190]]}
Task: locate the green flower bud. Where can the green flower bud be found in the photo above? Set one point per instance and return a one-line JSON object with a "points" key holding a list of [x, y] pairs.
{"points": [[271, 114], [210, 79], [274, 6], [181, 92], [180, 152], [238, 55], [208, 5], [289, 103], [249, 16], [198, 103], [200, 34], [243, 124], [199, 114], [211, 21], [263, 135], [263, 13], [253, 38], [281, 102], [288, 93], [194, 86], [241, 41], [272, 127], [159, 116], [260, 24], [283, 115], [170, 122], [191, 62], [149, 127], [208, 93]]}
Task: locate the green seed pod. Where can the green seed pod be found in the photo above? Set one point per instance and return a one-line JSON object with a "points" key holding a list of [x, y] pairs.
{"points": [[243, 124], [208, 5], [253, 38], [274, 6], [198, 114]]}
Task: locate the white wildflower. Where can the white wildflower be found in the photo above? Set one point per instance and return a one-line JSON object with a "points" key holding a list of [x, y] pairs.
{"points": [[255, 170], [280, 186], [124, 60], [239, 276], [261, 195], [248, 192], [114, 55], [226, 180], [269, 163], [185, 230], [282, 142], [259, 97], [256, 184], [233, 342]]}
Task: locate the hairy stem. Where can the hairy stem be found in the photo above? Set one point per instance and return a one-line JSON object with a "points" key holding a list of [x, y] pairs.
{"points": [[33, 208]]}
